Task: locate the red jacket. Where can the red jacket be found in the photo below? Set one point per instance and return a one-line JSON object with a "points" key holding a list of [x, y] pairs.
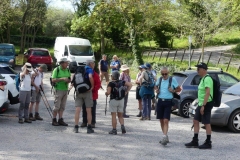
{"points": [[97, 85]]}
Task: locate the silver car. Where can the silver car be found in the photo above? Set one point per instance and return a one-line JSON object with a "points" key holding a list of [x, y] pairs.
{"points": [[228, 113]]}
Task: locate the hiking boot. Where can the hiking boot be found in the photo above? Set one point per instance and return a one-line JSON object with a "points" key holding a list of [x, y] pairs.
{"points": [[84, 125], [31, 117], [153, 107], [192, 144], [76, 128], [20, 121], [206, 145], [26, 120], [113, 131], [54, 122], [125, 116], [61, 122], [164, 141], [139, 114], [37, 117], [93, 125], [89, 129], [143, 118], [167, 140], [123, 129]]}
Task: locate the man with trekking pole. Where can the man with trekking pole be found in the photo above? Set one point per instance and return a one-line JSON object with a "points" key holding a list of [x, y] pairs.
{"points": [[203, 111], [61, 78], [37, 82]]}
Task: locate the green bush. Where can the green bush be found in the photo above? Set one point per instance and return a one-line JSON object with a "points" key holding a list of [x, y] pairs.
{"points": [[236, 49]]}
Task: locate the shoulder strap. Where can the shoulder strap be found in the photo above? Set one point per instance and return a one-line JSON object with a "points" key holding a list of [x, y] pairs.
{"points": [[160, 81], [57, 71], [170, 82]]}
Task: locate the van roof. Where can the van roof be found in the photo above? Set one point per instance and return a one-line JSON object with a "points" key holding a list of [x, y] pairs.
{"points": [[72, 40]]}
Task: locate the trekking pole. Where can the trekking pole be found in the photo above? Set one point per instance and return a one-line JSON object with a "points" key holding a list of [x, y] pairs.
{"points": [[106, 106], [46, 105], [46, 98]]}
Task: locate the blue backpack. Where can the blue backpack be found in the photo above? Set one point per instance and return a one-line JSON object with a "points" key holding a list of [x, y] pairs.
{"points": [[150, 82], [17, 81]]}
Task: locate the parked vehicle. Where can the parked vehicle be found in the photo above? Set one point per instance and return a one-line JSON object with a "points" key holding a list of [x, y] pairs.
{"points": [[8, 54], [37, 56], [9, 74], [4, 103], [74, 49], [228, 113], [189, 81]]}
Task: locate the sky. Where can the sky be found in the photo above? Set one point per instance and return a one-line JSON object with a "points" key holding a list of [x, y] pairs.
{"points": [[61, 4]]}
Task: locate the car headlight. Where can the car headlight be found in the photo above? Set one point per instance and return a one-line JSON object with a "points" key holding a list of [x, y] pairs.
{"points": [[223, 105]]}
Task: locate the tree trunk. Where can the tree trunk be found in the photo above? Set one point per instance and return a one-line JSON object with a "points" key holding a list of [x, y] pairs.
{"points": [[135, 44]]}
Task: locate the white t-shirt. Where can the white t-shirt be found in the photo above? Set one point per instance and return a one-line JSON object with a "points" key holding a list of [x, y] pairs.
{"points": [[38, 79], [25, 84]]}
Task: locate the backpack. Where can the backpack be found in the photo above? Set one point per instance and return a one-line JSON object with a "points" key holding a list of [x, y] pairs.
{"points": [[150, 82], [217, 94], [81, 80], [118, 91], [17, 81]]}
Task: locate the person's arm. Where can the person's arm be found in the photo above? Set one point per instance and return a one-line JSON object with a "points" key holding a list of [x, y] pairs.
{"points": [[141, 78], [99, 66], [129, 86], [109, 88], [97, 82], [111, 65], [32, 82], [55, 79]]}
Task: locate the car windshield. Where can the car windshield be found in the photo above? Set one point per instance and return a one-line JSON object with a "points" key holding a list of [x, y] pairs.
{"points": [[233, 90], [7, 70], [78, 50], [179, 77], [40, 53], [6, 51]]}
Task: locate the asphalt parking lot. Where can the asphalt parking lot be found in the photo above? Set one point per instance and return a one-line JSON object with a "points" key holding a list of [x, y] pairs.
{"points": [[40, 140]]}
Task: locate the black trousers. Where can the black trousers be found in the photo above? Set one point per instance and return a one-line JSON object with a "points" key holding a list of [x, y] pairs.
{"points": [[84, 112]]}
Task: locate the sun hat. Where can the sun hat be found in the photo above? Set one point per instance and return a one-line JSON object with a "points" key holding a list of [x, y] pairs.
{"points": [[148, 65], [202, 65], [124, 67], [63, 59], [28, 67], [43, 67]]}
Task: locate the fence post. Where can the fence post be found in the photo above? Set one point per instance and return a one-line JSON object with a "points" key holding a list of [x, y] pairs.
{"points": [[219, 58], [209, 58], [154, 54], [192, 55], [229, 62], [168, 55], [160, 55], [199, 58], [175, 55], [238, 69], [183, 54]]}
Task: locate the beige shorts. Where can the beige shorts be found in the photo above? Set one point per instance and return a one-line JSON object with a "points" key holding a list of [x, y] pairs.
{"points": [[35, 97], [104, 74], [84, 98], [60, 100], [116, 105]]}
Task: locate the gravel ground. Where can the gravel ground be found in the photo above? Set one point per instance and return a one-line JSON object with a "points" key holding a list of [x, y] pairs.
{"points": [[40, 140]]}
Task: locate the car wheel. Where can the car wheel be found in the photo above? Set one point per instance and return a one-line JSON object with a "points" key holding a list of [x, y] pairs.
{"points": [[234, 121], [184, 108], [49, 68]]}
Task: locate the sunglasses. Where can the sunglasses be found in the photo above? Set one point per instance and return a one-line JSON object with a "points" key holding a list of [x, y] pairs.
{"points": [[164, 74]]}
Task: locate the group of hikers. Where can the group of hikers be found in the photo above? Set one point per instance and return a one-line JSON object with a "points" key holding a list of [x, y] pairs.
{"points": [[87, 82]]}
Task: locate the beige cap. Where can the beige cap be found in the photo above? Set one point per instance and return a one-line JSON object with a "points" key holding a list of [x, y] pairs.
{"points": [[63, 59], [124, 67]]}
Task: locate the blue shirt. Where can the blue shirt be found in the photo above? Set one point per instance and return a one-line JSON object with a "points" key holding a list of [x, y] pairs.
{"points": [[104, 65], [89, 70], [164, 92], [113, 63]]}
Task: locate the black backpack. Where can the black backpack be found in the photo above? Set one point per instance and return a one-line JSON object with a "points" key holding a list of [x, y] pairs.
{"points": [[81, 80], [217, 94], [118, 91]]}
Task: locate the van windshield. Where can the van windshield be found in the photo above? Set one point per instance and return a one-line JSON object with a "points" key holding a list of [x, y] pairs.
{"points": [[78, 50], [6, 51]]}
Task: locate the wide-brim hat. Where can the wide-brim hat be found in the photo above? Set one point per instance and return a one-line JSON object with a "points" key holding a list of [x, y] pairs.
{"points": [[63, 59], [124, 67], [28, 67]]}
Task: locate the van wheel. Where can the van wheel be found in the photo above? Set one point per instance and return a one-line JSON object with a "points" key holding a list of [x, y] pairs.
{"points": [[184, 108], [49, 68], [234, 121]]}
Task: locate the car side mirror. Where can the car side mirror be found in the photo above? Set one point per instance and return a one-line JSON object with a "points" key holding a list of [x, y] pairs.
{"points": [[16, 54], [65, 53]]}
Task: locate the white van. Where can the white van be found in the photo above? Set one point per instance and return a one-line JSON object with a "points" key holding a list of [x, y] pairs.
{"points": [[74, 49]]}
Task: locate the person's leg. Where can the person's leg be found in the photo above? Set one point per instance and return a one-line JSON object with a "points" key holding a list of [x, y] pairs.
{"points": [[77, 115], [94, 112], [62, 108], [89, 115], [144, 108], [106, 78], [162, 125], [125, 106], [149, 106], [30, 110], [56, 108], [38, 98], [26, 107], [84, 115], [114, 120], [22, 99], [89, 104]]}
